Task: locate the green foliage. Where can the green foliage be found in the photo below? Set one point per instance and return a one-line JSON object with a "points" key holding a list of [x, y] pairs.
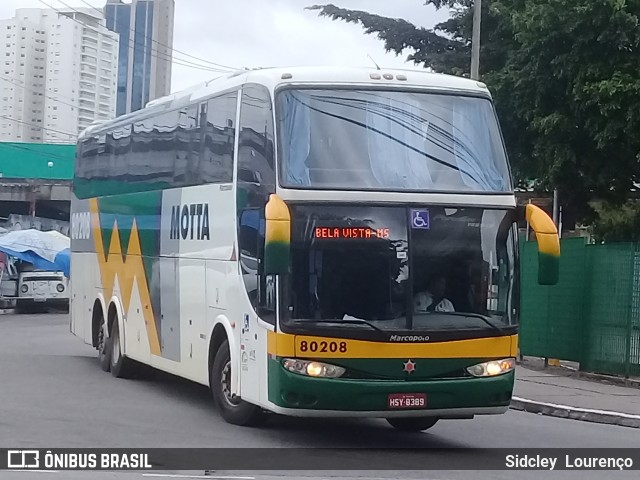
{"points": [[617, 223], [565, 77], [574, 81]]}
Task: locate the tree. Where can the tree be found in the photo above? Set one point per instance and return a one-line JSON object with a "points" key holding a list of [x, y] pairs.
{"points": [[446, 48], [619, 223], [565, 78], [574, 84]]}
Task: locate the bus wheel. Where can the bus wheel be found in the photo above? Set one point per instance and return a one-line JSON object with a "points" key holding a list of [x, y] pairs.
{"points": [[233, 409], [104, 348], [412, 424], [121, 366]]}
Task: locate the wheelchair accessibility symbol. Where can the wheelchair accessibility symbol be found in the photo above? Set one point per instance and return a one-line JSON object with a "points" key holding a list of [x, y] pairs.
{"points": [[420, 219]]}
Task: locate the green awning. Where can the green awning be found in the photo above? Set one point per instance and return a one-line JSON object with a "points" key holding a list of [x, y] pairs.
{"points": [[36, 161]]}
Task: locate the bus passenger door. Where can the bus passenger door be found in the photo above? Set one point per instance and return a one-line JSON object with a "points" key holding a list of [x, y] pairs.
{"points": [[253, 336], [256, 180]]}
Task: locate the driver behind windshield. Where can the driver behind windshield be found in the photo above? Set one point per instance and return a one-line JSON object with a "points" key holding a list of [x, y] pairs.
{"points": [[433, 299]]}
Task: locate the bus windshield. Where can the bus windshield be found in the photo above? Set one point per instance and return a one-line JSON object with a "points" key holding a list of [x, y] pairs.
{"points": [[377, 268], [390, 140]]}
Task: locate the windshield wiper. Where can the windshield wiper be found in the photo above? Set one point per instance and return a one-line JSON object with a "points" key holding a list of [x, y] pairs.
{"points": [[472, 315], [349, 321]]}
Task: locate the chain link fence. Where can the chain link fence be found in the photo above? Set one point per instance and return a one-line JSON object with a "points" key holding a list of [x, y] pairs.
{"points": [[592, 316]]}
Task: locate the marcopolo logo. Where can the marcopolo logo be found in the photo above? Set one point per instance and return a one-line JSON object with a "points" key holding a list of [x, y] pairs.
{"points": [[81, 226], [190, 222], [409, 338]]}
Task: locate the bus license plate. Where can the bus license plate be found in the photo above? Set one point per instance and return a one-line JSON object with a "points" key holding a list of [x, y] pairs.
{"points": [[407, 400]]}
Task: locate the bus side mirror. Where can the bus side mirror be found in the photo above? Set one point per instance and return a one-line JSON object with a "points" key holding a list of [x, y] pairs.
{"points": [[548, 243], [277, 237]]}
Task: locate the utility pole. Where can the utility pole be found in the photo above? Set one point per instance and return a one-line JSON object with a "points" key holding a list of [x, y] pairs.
{"points": [[557, 211], [475, 40]]}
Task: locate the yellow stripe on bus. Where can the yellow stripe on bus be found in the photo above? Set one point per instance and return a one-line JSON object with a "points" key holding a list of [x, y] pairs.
{"points": [[285, 345], [127, 271]]}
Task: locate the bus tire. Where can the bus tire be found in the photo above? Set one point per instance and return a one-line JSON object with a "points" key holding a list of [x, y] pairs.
{"points": [[121, 366], [412, 424], [233, 409], [104, 348]]}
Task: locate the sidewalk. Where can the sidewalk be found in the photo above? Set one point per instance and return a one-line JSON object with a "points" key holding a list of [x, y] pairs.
{"points": [[560, 392]]}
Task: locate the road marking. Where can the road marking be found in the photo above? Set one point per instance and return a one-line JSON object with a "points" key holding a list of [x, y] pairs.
{"points": [[209, 477], [26, 470]]}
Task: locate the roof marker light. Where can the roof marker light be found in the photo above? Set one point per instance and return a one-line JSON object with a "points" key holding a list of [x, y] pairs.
{"points": [[401, 77], [287, 76], [375, 76], [388, 76]]}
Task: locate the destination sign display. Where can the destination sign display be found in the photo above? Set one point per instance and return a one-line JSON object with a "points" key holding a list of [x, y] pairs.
{"points": [[350, 233]]}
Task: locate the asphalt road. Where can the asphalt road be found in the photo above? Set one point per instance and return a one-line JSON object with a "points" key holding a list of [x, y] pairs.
{"points": [[54, 395]]}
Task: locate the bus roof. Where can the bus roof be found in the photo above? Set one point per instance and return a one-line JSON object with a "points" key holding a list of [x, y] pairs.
{"points": [[273, 78]]}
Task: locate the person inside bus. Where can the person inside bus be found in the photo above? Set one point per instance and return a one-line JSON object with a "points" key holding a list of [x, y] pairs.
{"points": [[433, 299]]}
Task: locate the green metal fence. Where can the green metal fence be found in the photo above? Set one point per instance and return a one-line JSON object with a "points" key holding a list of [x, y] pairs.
{"points": [[592, 315]]}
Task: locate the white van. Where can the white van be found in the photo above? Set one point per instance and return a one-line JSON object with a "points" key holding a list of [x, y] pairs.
{"points": [[42, 289]]}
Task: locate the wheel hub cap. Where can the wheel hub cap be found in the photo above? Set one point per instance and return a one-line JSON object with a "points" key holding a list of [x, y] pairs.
{"points": [[225, 383]]}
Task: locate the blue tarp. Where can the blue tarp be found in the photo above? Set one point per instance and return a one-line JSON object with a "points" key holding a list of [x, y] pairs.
{"points": [[48, 251]]}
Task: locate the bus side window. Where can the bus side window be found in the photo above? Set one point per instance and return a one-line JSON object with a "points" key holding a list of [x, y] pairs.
{"points": [[256, 181], [256, 169], [216, 159]]}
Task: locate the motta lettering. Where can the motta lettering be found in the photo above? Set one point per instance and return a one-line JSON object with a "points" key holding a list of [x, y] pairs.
{"points": [[190, 221]]}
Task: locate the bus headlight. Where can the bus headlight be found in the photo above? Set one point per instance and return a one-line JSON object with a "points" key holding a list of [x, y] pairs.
{"points": [[24, 288], [60, 288], [312, 369], [492, 368]]}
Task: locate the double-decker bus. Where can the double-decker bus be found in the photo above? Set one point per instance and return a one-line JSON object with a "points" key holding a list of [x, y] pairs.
{"points": [[310, 242]]}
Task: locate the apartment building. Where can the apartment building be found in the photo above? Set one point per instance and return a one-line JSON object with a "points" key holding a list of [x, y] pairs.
{"points": [[58, 74]]}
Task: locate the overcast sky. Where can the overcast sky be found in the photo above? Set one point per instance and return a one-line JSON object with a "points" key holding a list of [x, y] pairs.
{"points": [[252, 33]]}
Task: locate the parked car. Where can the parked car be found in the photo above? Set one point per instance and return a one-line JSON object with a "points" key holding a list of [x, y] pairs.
{"points": [[38, 289]]}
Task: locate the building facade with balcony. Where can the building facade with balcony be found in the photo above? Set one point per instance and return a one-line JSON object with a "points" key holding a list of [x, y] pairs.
{"points": [[58, 76]]}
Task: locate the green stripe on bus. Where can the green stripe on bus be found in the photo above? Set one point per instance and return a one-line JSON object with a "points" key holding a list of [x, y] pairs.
{"points": [[145, 208], [276, 257]]}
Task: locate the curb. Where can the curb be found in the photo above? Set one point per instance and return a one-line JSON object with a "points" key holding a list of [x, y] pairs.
{"points": [[575, 413], [621, 381]]}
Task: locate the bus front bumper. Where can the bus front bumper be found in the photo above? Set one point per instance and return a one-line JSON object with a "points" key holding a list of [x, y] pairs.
{"points": [[294, 394]]}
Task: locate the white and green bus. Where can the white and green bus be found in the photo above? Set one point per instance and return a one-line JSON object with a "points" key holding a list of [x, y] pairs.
{"points": [[310, 242]]}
